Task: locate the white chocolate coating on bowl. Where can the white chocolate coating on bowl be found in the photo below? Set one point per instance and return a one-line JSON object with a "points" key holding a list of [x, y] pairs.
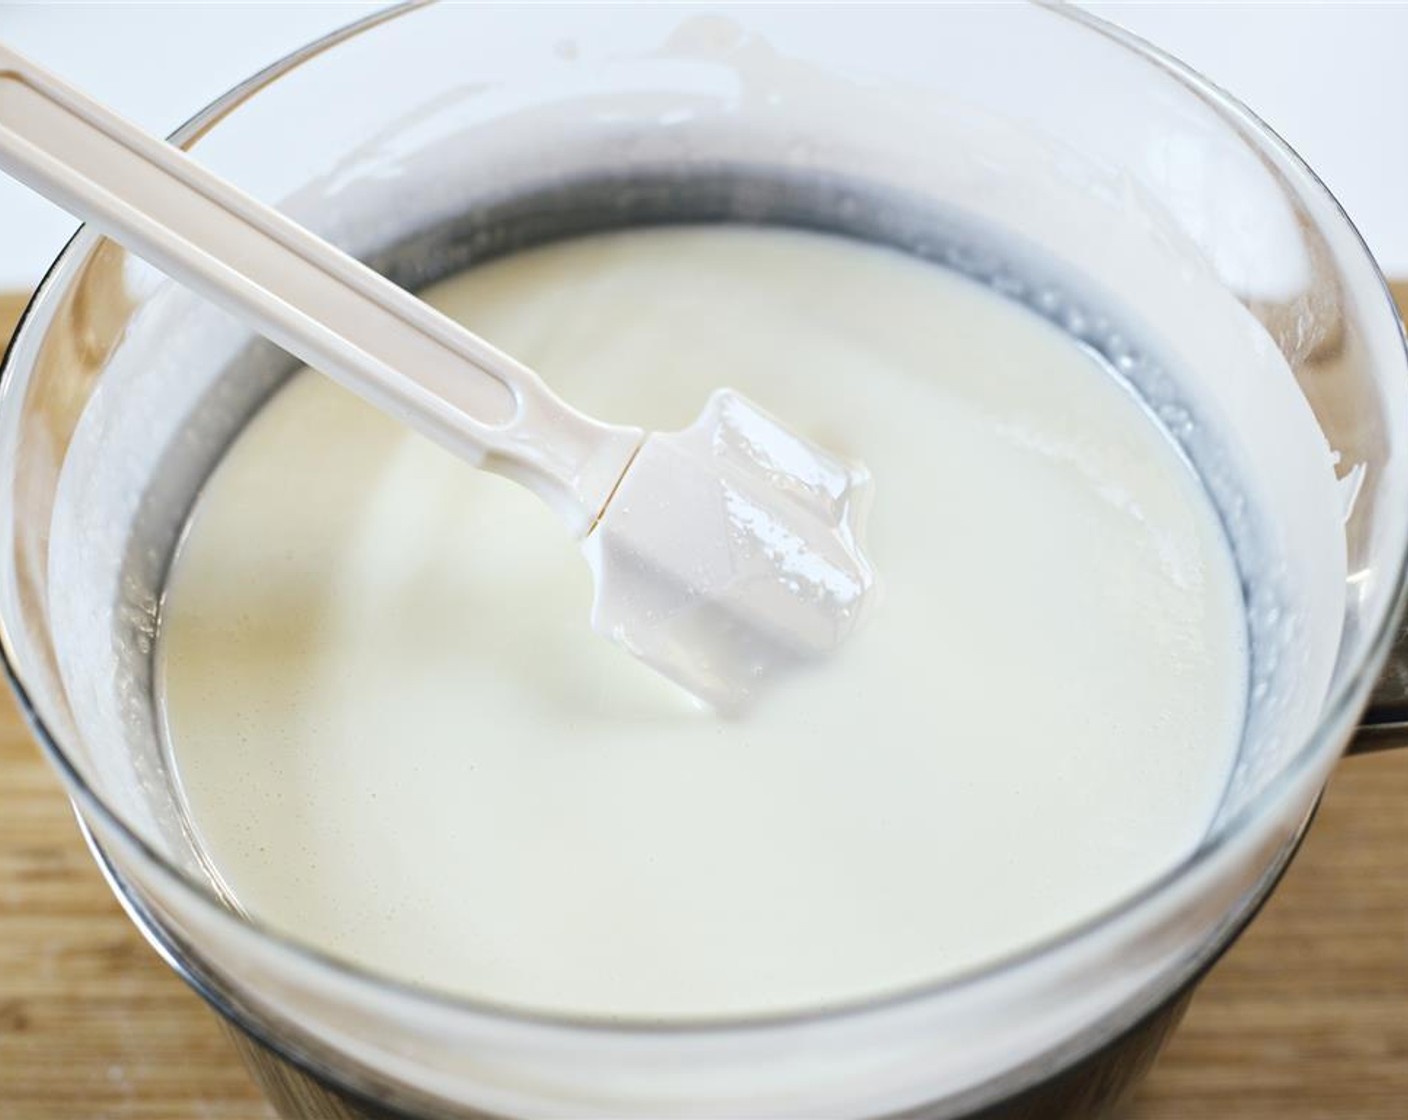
{"points": [[401, 742]]}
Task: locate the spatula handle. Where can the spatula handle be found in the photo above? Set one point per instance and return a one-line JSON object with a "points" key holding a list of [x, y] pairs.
{"points": [[312, 299]]}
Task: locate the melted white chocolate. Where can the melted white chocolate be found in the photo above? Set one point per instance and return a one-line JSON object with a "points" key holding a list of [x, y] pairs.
{"points": [[401, 743]]}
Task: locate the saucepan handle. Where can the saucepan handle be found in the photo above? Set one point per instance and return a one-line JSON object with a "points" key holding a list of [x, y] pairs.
{"points": [[1385, 721]]}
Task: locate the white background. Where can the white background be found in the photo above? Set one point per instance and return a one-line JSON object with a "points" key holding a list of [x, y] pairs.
{"points": [[1332, 78]]}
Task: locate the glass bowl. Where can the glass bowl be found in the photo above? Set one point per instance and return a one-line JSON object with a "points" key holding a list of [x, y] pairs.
{"points": [[1037, 150]]}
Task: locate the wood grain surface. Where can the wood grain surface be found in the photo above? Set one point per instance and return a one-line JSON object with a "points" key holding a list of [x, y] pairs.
{"points": [[1306, 1018]]}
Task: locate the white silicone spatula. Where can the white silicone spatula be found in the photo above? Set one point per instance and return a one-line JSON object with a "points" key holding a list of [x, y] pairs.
{"points": [[721, 553]]}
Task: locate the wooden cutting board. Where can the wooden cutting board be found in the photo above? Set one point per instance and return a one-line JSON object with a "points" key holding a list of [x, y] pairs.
{"points": [[1306, 1018]]}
